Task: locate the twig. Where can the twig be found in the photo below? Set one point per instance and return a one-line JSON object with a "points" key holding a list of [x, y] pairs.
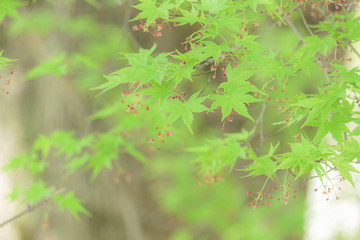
{"points": [[261, 132], [313, 177], [305, 23], [27, 210], [294, 28], [204, 64], [207, 84], [124, 30], [352, 48], [258, 120], [300, 36], [30, 208]]}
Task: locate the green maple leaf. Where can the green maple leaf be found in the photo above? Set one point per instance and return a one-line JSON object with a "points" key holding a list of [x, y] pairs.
{"points": [[157, 91], [42, 144], [336, 126], [4, 62], [36, 192], [15, 193], [320, 171], [216, 154], [19, 161], [236, 89], [350, 149], [151, 11], [77, 162], [144, 68], [254, 3], [177, 71], [344, 168], [9, 7], [321, 105], [70, 202], [188, 17], [235, 98], [302, 157], [106, 149], [214, 6], [186, 109], [263, 165], [56, 65]]}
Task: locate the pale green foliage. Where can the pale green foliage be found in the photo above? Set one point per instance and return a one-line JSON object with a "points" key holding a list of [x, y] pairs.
{"points": [[36, 192], [218, 154], [9, 8], [70, 202], [56, 66], [4, 62], [263, 165], [157, 90]]}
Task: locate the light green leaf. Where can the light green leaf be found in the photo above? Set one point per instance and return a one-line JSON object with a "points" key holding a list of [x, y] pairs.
{"points": [[70, 202], [15, 193], [56, 65], [36, 192]]}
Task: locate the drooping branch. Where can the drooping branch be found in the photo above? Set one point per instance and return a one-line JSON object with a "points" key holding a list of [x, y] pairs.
{"points": [[31, 208], [25, 211]]}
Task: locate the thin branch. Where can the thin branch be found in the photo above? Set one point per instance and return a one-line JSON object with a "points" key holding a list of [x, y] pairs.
{"points": [[30, 208], [294, 28], [207, 84], [258, 120], [353, 49], [261, 132], [300, 36], [305, 23], [124, 30], [312, 177], [204, 64], [25, 211]]}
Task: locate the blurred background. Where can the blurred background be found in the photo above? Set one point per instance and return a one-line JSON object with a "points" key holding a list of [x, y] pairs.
{"points": [[76, 43]]}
